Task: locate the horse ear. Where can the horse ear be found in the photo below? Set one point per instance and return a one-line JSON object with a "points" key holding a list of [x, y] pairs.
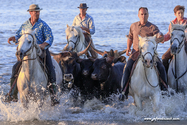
{"points": [[67, 25]]}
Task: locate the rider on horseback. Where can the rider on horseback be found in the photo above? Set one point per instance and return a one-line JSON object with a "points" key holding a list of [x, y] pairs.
{"points": [[180, 19], [87, 25], [44, 38], [143, 28]]}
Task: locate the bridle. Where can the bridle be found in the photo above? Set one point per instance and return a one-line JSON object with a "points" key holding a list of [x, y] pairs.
{"points": [[31, 47], [152, 55], [75, 43], [181, 43], [142, 57]]}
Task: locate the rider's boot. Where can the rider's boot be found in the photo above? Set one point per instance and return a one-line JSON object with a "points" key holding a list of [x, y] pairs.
{"points": [[14, 92], [13, 95], [52, 89], [52, 79], [125, 79]]}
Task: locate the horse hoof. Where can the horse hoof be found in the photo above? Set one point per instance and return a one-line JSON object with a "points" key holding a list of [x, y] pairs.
{"points": [[121, 97]]}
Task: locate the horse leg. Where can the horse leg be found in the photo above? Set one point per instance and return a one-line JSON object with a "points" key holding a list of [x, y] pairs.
{"points": [[156, 100], [138, 102], [24, 101], [40, 101]]}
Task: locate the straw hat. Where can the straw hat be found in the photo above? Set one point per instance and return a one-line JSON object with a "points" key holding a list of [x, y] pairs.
{"points": [[34, 7]]}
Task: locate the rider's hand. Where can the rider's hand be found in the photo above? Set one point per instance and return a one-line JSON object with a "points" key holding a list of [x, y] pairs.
{"points": [[128, 52], [11, 39], [43, 45], [85, 29]]}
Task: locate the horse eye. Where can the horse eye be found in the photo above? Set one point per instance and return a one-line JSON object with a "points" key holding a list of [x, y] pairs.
{"points": [[29, 41], [154, 48], [182, 35], [171, 34]]}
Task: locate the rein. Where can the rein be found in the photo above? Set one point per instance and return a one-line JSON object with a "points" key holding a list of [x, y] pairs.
{"points": [[75, 43]]}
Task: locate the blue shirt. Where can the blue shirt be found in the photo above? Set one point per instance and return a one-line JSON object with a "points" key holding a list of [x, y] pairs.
{"points": [[87, 22], [43, 31]]}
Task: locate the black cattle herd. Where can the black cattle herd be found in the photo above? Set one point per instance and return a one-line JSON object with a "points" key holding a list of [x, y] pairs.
{"points": [[98, 78]]}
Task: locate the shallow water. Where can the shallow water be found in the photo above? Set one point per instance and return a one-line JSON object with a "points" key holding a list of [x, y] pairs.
{"points": [[112, 20]]}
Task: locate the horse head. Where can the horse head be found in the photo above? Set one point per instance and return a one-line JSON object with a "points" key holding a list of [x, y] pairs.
{"points": [[147, 47], [177, 37], [74, 36], [27, 42]]}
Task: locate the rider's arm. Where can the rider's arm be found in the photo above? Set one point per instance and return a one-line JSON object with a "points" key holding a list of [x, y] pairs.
{"points": [[48, 36], [91, 26], [129, 44], [167, 35]]}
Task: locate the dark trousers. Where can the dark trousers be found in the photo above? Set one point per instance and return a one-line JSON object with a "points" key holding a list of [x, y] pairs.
{"points": [[128, 69], [165, 59], [51, 71]]}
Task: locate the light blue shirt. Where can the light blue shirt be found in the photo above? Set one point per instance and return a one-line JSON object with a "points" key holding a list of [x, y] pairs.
{"points": [[43, 31], [87, 22]]}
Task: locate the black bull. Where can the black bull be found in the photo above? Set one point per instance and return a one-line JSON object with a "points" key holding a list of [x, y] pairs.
{"points": [[108, 75]]}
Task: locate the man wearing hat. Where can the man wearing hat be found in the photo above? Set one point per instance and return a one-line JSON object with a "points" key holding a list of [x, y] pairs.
{"points": [[86, 23], [44, 38]]}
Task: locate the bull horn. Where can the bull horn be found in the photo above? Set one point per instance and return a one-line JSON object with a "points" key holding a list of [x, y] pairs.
{"points": [[84, 51], [122, 52], [99, 52]]}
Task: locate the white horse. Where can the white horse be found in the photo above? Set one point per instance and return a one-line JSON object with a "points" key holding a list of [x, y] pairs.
{"points": [[145, 80], [177, 72], [32, 80], [76, 40]]}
